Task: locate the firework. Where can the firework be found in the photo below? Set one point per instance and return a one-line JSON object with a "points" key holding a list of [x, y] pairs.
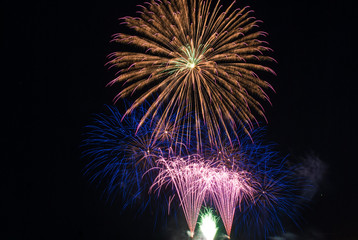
{"points": [[208, 224], [190, 176], [228, 190], [193, 70], [119, 157], [277, 197], [201, 61]]}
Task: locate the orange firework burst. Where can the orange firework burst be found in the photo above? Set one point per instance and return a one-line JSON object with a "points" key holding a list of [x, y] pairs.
{"points": [[198, 62]]}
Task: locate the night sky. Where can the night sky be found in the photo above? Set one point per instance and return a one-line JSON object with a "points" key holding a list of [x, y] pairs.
{"points": [[54, 79]]}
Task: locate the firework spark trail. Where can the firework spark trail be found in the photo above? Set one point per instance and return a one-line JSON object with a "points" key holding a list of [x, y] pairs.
{"points": [[190, 177], [202, 61], [228, 190]]}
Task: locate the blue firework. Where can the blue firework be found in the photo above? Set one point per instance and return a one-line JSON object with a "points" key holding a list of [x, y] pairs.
{"points": [[278, 189], [119, 155], [276, 202], [278, 193]]}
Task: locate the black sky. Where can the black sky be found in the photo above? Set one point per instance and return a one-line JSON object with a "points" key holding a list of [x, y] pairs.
{"points": [[54, 79]]}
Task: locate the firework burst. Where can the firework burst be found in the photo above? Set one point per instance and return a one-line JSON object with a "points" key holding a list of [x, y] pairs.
{"points": [[274, 186], [190, 176], [119, 157], [202, 62], [277, 197], [228, 190]]}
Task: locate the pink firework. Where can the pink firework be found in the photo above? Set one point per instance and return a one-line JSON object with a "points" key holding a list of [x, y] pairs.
{"points": [[228, 189], [191, 176]]}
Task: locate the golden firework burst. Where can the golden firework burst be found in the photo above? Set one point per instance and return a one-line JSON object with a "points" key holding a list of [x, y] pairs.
{"points": [[197, 63]]}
